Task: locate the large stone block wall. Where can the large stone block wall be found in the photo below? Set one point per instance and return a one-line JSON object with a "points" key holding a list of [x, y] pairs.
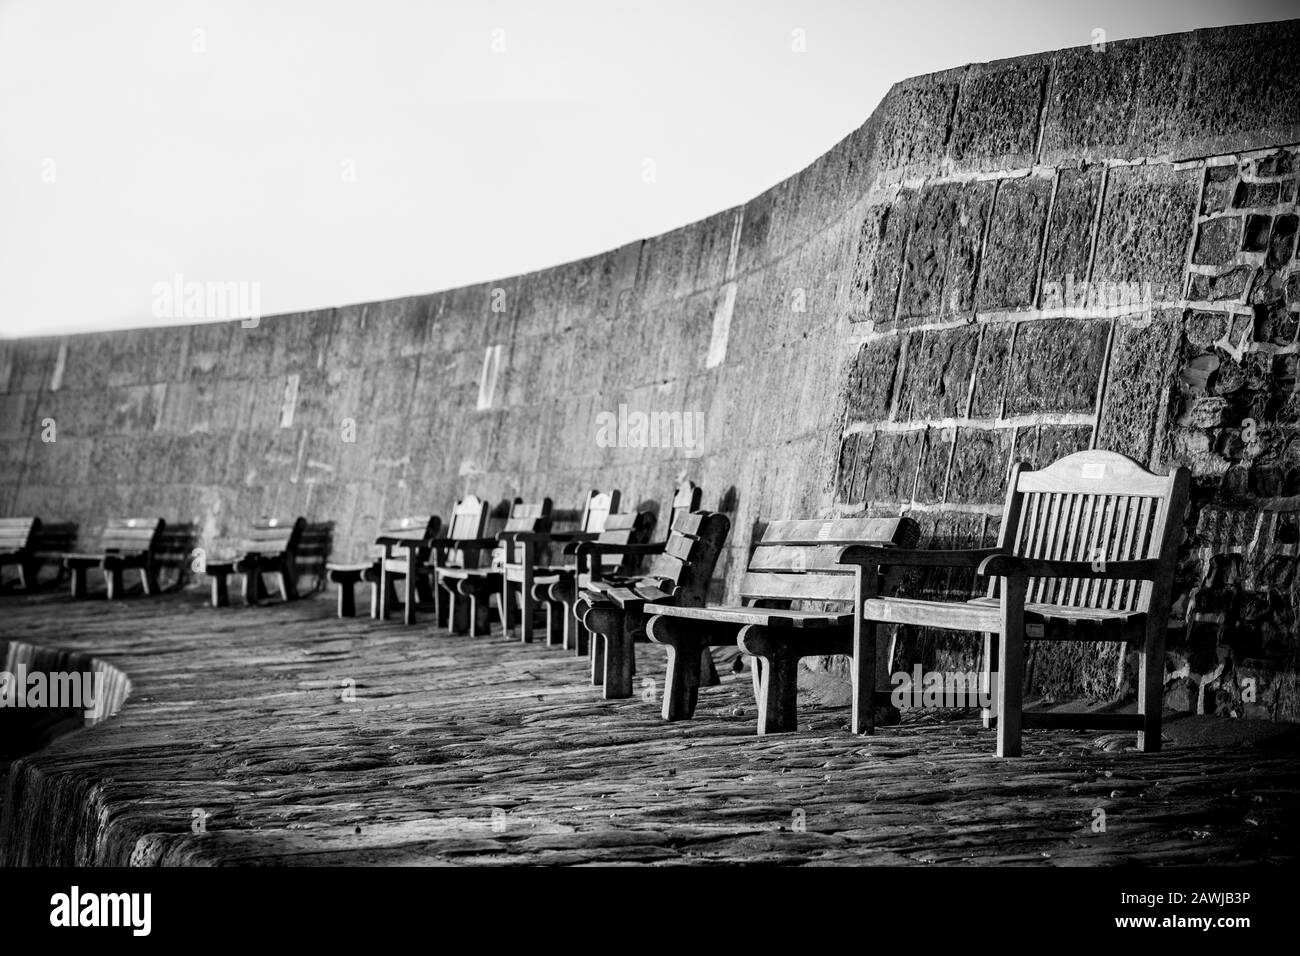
{"points": [[1008, 261]]}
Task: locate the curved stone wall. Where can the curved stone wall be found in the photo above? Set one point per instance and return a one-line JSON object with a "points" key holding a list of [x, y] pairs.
{"points": [[1009, 260]]}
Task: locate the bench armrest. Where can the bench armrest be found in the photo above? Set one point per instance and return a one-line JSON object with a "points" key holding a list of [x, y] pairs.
{"points": [[1012, 566], [876, 555]]}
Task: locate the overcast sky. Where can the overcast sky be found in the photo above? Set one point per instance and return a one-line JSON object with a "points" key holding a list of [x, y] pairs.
{"points": [[337, 152]]}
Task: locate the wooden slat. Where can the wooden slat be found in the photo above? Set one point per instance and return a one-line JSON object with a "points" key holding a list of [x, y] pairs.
{"points": [[846, 530], [468, 518], [769, 557], [412, 528], [622, 521], [688, 524], [679, 546], [1095, 472], [814, 586]]}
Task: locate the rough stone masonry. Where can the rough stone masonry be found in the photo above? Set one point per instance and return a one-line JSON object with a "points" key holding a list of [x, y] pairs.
{"points": [[1012, 260]]}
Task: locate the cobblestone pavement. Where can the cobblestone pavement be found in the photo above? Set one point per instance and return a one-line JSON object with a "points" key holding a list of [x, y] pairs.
{"points": [[484, 751]]}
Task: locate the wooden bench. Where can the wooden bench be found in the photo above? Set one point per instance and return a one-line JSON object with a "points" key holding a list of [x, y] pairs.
{"points": [[270, 548], [125, 543], [792, 561], [408, 537], [615, 611], [469, 590], [1086, 552], [609, 553], [18, 547], [602, 578]]}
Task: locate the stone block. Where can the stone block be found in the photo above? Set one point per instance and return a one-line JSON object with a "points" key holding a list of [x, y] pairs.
{"points": [[1009, 266], [995, 124], [1056, 366], [1145, 226], [870, 380], [1069, 234], [1138, 384], [980, 459], [936, 380], [942, 252]]}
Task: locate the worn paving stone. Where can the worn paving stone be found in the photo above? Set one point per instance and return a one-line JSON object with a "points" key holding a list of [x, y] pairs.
{"points": [[483, 751]]}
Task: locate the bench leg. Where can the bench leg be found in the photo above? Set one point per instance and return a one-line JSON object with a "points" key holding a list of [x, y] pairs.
{"points": [[408, 596], [598, 621], [457, 609], [1011, 665], [527, 611], [347, 599], [220, 592], [620, 661], [387, 595], [778, 680], [556, 615], [681, 688], [596, 658], [708, 670], [504, 601], [989, 667], [1151, 680], [78, 582], [113, 580], [27, 575], [864, 675], [289, 581], [252, 585], [374, 600], [480, 616], [681, 680], [442, 601]]}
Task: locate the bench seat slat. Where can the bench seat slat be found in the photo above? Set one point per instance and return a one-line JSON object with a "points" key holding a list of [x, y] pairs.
{"points": [[738, 614]]}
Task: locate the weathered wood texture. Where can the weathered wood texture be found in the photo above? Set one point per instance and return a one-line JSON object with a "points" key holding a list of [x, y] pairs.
{"points": [[489, 752]]}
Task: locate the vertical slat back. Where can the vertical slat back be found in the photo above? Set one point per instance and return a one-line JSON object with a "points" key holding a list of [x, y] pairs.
{"points": [[1094, 507], [468, 518], [599, 506]]}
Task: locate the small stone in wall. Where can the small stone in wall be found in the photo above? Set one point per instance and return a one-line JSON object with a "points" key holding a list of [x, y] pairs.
{"points": [[1216, 242], [1257, 233], [1220, 184], [1250, 195]]}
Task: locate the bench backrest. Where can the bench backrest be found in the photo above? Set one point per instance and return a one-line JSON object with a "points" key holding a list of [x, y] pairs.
{"points": [[468, 518], [529, 515], [1094, 506], [628, 527], [275, 536], [686, 498], [597, 509], [690, 555], [18, 534], [799, 560], [130, 535], [412, 528]]}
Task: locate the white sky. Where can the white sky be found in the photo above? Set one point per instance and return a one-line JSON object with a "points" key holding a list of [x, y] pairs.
{"points": [[229, 164]]}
